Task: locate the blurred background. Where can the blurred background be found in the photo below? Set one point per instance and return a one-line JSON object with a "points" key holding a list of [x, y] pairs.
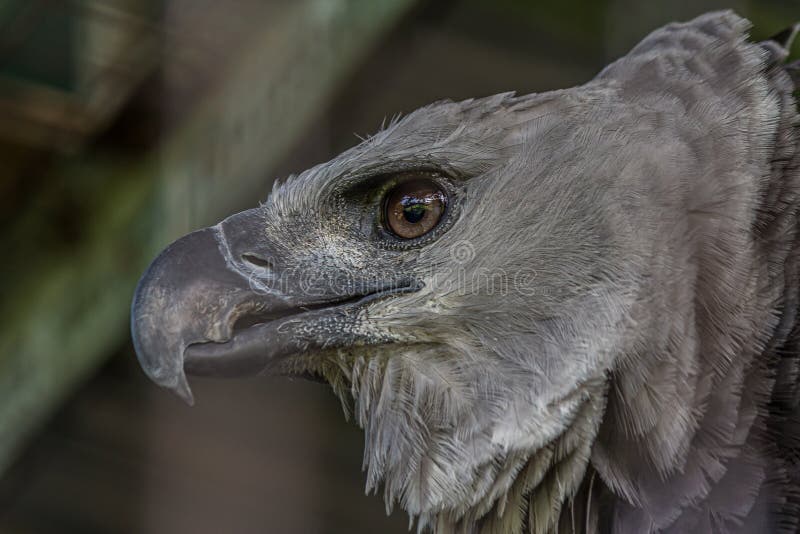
{"points": [[127, 123]]}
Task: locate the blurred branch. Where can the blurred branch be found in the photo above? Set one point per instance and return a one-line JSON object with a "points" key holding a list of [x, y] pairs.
{"points": [[66, 68], [68, 305]]}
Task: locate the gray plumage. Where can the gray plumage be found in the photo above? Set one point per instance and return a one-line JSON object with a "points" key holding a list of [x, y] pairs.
{"points": [[600, 337]]}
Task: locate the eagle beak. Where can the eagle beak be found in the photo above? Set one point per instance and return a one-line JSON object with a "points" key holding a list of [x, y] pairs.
{"points": [[209, 305], [194, 292]]}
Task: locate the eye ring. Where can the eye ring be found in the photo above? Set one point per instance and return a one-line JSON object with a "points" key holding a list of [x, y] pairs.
{"points": [[414, 208]]}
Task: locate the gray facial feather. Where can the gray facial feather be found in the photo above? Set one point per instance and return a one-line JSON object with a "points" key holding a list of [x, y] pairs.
{"points": [[655, 209], [607, 336]]}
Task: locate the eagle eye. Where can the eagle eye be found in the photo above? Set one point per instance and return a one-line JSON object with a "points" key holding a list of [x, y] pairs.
{"points": [[413, 208]]}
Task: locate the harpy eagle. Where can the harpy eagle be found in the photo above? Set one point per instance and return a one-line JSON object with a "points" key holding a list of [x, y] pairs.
{"points": [[573, 311]]}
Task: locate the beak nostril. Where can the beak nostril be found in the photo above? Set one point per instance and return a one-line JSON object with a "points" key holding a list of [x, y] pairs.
{"points": [[258, 261]]}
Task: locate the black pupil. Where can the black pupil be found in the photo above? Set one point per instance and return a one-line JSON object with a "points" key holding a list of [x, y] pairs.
{"points": [[414, 212]]}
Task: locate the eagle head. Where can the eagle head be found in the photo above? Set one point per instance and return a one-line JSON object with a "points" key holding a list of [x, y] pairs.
{"points": [[500, 290]]}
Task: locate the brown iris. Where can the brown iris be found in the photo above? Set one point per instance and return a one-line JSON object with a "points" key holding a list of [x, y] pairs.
{"points": [[414, 208]]}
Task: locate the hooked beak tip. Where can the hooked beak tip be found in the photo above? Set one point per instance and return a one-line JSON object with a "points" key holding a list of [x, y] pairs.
{"points": [[182, 389], [172, 380]]}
